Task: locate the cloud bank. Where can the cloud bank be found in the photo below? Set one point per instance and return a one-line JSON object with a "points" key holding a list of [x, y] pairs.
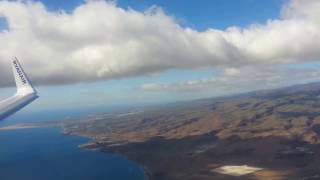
{"points": [[234, 80], [99, 41]]}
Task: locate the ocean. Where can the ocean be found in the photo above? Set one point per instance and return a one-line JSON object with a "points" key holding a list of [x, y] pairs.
{"points": [[46, 154]]}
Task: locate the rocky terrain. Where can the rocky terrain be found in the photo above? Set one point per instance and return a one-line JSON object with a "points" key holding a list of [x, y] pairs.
{"points": [[275, 132]]}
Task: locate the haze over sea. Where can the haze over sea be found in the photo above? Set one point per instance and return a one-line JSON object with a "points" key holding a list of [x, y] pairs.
{"points": [[45, 153]]}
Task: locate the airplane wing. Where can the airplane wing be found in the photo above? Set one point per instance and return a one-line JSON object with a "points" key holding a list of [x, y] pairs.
{"points": [[25, 92]]}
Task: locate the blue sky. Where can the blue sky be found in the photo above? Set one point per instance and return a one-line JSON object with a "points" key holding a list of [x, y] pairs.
{"points": [[198, 15], [218, 14]]}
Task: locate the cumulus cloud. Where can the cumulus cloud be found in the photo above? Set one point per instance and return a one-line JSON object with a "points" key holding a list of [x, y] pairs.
{"points": [[99, 41]]}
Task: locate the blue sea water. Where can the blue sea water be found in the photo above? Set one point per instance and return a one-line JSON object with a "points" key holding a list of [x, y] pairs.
{"points": [[46, 154]]}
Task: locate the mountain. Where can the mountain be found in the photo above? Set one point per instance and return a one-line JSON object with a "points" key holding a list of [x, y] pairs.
{"points": [[274, 132]]}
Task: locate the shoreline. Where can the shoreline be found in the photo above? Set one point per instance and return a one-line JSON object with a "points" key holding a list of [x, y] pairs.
{"points": [[174, 160], [92, 145]]}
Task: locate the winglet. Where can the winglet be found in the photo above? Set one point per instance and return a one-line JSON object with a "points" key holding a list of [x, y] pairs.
{"points": [[22, 81]]}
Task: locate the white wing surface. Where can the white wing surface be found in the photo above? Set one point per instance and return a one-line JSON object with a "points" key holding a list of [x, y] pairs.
{"points": [[25, 92]]}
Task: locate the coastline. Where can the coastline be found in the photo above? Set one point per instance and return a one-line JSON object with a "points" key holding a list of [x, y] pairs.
{"points": [[146, 156], [92, 145]]}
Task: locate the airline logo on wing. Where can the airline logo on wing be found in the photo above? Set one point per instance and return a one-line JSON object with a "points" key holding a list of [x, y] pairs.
{"points": [[23, 79]]}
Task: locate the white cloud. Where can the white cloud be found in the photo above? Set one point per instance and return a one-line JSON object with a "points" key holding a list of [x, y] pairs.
{"points": [[240, 80], [100, 41], [232, 71]]}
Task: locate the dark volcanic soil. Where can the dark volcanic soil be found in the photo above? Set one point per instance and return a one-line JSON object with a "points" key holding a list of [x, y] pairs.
{"points": [[194, 158]]}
